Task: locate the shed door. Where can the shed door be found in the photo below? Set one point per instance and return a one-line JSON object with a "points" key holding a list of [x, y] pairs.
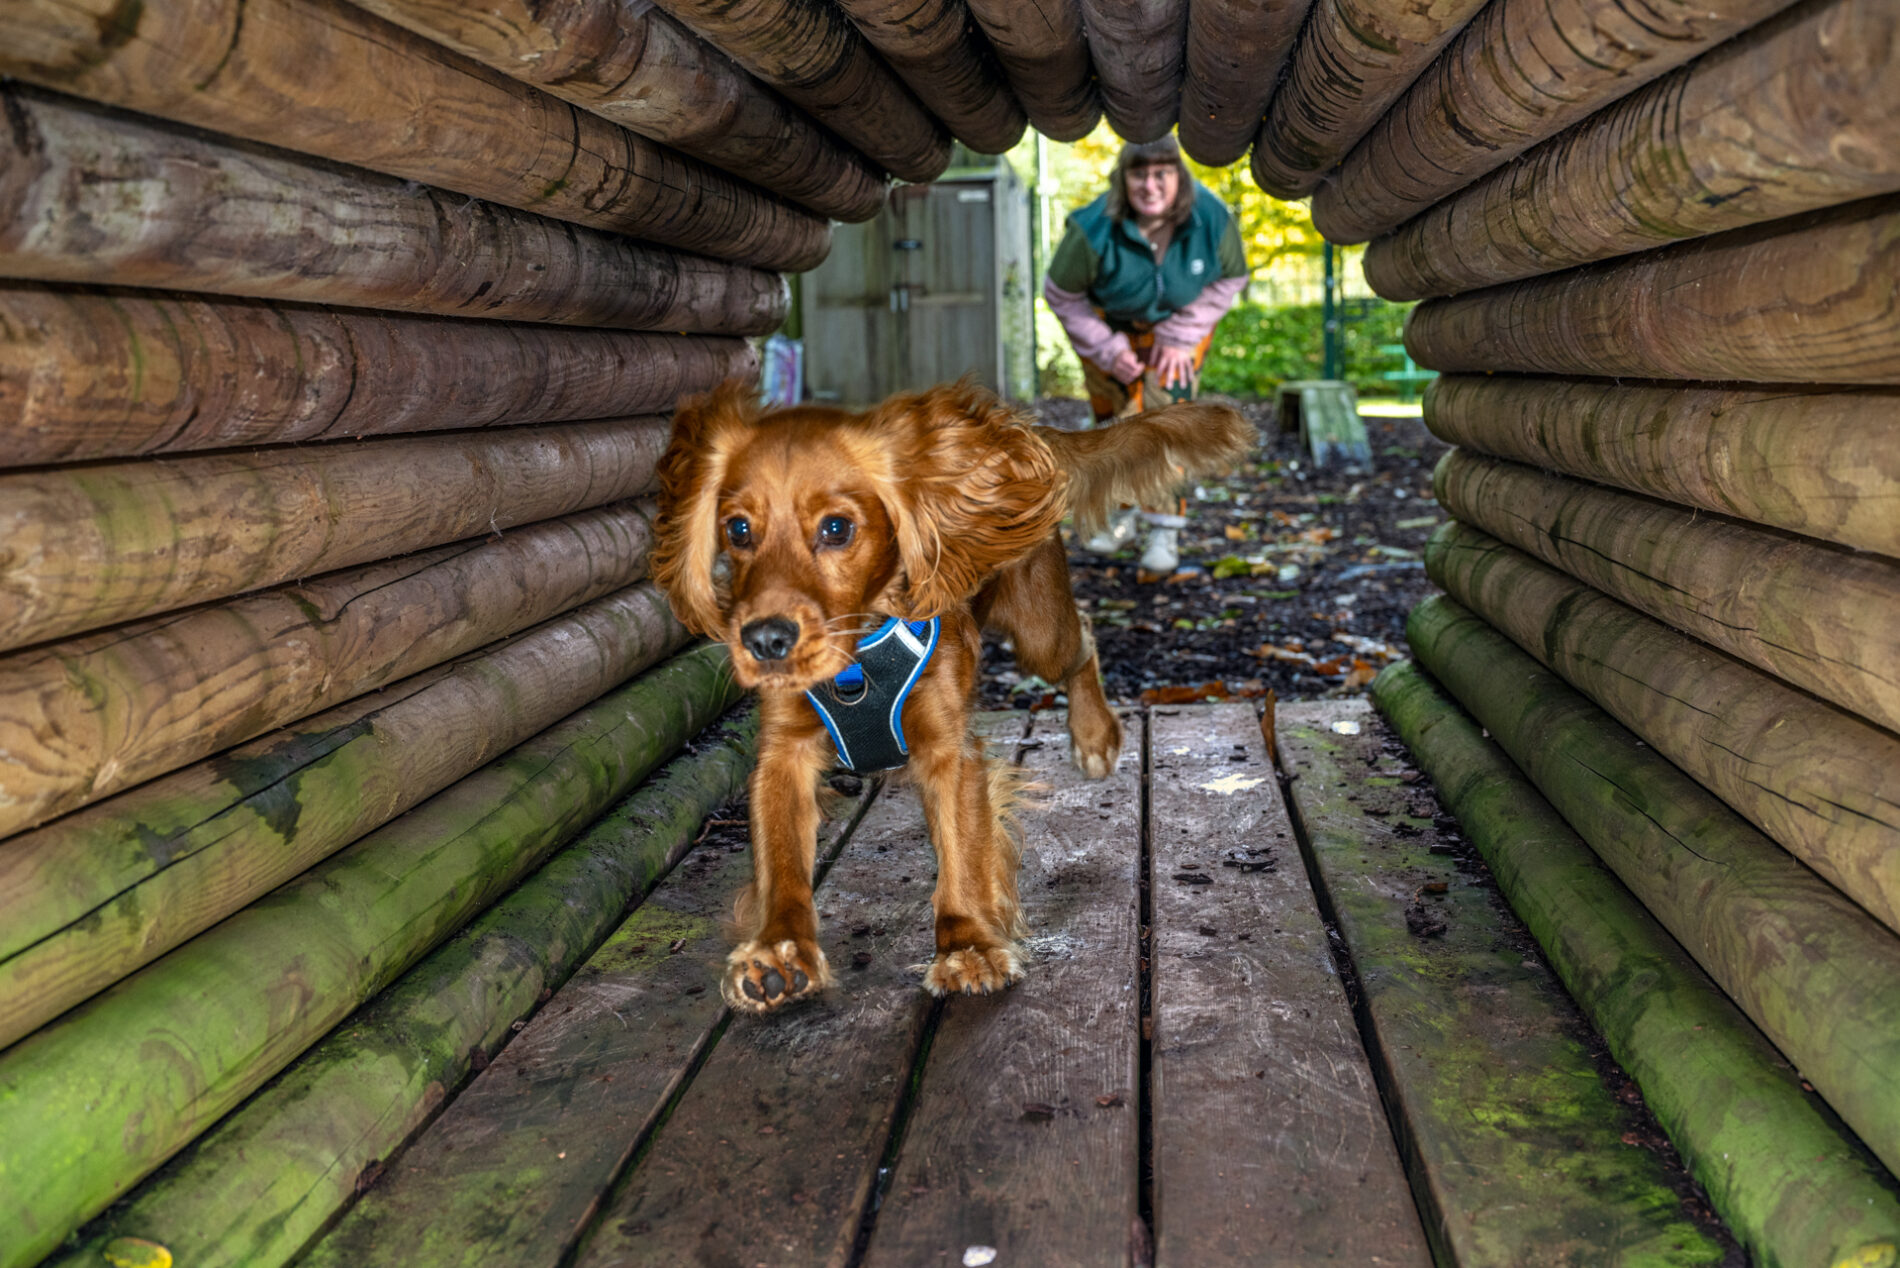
{"points": [[946, 280]]}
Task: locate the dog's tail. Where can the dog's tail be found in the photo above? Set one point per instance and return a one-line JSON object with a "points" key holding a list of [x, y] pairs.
{"points": [[1142, 461]]}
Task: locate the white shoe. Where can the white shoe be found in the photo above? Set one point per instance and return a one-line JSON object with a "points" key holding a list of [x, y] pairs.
{"points": [[1162, 554], [1119, 532]]}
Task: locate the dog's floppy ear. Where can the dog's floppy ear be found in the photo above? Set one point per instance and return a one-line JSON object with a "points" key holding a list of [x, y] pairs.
{"points": [[968, 488], [686, 531]]}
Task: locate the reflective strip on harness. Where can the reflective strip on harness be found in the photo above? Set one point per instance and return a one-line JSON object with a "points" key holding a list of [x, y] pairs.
{"points": [[863, 707]]}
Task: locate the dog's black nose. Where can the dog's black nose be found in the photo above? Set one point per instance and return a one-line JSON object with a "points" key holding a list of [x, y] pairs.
{"points": [[770, 639]]}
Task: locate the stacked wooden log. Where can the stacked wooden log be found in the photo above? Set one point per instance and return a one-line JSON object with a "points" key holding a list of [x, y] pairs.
{"points": [[1658, 255]]}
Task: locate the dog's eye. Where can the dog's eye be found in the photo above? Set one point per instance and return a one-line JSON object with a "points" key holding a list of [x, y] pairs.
{"points": [[835, 530], [739, 531]]}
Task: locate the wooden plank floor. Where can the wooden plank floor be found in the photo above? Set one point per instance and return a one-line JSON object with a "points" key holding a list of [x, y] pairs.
{"points": [[1179, 1081]]}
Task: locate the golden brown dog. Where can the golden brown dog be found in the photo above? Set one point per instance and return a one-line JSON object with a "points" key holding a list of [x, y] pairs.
{"points": [[791, 534]]}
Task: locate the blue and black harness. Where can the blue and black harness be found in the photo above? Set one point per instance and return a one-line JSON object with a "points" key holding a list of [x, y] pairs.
{"points": [[863, 707]]}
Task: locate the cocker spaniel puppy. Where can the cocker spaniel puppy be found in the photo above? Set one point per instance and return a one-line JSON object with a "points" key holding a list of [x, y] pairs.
{"points": [[851, 562]]}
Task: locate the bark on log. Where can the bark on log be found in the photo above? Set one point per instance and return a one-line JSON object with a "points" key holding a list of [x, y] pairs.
{"points": [[323, 77], [1353, 60], [1819, 975], [82, 719], [1808, 300], [1523, 71], [263, 1182], [808, 50], [1235, 52], [1802, 112], [1821, 617], [1791, 1185], [934, 47], [1140, 52], [94, 896], [1045, 54], [1821, 463], [637, 67], [111, 1091], [1819, 780], [92, 546], [88, 375], [87, 196]]}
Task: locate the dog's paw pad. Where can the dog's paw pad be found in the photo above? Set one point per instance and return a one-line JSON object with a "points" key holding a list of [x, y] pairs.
{"points": [[761, 977], [973, 971]]}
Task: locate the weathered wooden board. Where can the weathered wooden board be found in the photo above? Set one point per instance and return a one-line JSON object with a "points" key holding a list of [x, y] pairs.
{"points": [[87, 375], [101, 197], [83, 718], [1804, 300], [1354, 58], [91, 897], [1792, 1184], [635, 66], [1514, 1141], [772, 1154], [1800, 113], [1045, 53], [1476, 108], [326, 78], [1025, 1133], [1270, 1143], [171, 1049], [95, 545], [1235, 49], [520, 1162], [1821, 781], [809, 51], [252, 1191], [1818, 974], [1824, 463], [1140, 55]]}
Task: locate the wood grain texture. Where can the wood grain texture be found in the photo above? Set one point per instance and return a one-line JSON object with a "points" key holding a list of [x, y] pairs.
{"points": [[172, 1049], [522, 1160], [1818, 975], [1821, 781], [1140, 52], [1010, 1144], [1045, 54], [81, 719], [1822, 463], [635, 66], [1354, 59], [97, 197], [1235, 51], [1270, 1143], [1800, 113], [90, 546], [91, 897], [1818, 616], [1790, 1183], [1806, 300], [262, 1183], [809, 51], [90, 374], [323, 77], [1510, 1130], [1523, 71], [936, 49]]}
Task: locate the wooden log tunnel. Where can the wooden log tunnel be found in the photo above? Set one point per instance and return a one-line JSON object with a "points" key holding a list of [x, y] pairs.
{"points": [[339, 724]]}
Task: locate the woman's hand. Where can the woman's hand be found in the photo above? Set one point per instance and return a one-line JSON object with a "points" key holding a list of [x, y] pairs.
{"points": [[1127, 367], [1172, 365]]}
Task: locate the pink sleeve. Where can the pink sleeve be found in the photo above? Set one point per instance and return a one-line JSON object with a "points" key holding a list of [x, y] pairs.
{"points": [[1186, 327], [1090, 334]]}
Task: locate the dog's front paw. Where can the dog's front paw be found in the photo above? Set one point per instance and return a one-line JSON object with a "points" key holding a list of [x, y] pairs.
{"points": [[973, 971], [761, 976], [1095, 743]]}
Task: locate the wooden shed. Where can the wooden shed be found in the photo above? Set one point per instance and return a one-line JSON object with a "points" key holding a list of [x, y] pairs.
{"points": [[358, 896]]}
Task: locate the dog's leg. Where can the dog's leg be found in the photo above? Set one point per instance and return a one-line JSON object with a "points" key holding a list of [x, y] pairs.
{"points": [[1032, 604], [778, 958]]}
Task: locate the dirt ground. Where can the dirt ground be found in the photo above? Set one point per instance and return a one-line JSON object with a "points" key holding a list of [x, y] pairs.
{"points": [[1292, 577]]}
